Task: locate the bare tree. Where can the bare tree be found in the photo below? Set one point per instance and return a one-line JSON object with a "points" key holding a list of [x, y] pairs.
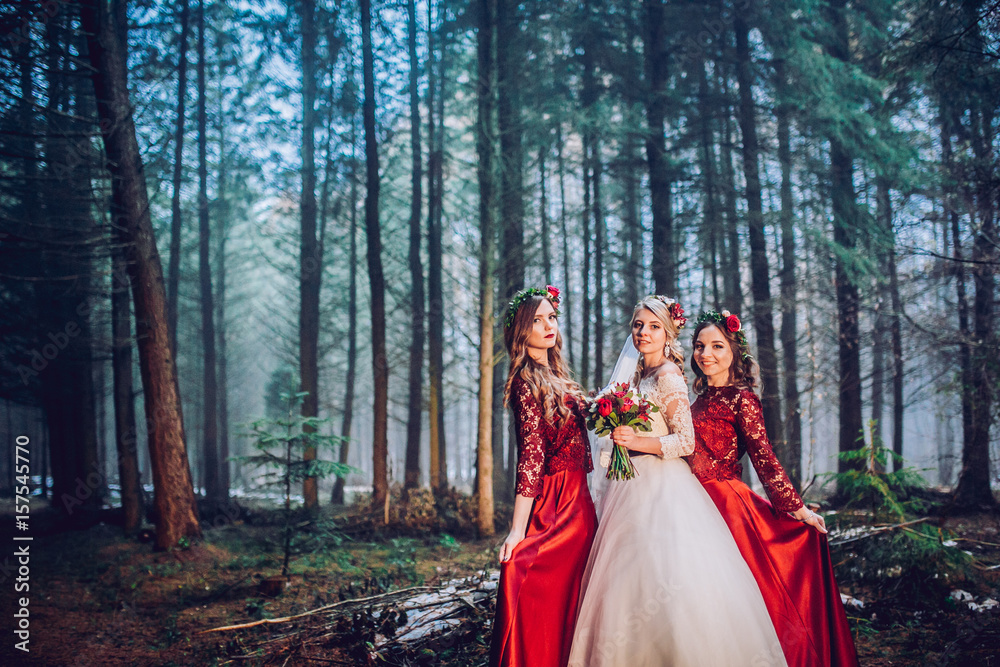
{"points": [[486, 151], [415, 407], [106, 27], [380, 366]]}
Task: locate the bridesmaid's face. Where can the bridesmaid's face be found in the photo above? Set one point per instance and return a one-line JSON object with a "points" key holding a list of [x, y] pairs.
{"points": [[713, 355], [544, 328], [648, 334]]}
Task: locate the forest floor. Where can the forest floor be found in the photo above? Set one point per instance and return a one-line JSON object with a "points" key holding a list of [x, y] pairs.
{"points": [[99, 599]]}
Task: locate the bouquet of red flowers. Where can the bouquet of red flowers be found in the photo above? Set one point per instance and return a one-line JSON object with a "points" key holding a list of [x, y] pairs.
{"points": [[619, 407]]}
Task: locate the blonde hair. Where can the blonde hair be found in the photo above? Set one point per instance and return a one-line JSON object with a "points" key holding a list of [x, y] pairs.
{"points": [[660, 307], [550, 385]]}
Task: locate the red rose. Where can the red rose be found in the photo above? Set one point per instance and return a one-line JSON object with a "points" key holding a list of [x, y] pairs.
{"points": [[553, 292], [627, 404], [604, 406], [733, 323]]}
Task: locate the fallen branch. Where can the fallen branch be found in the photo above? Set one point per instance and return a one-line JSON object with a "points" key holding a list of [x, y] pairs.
{"points": [[344, 603], [429, 613], [876, 531]]}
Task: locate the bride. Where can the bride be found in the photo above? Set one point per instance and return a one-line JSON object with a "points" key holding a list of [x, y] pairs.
{"points": [[665, 583]]}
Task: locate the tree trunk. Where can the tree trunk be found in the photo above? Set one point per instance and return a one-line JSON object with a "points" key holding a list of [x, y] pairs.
{"points": [[973, 488], [511, 218], [896, 334], [435, 205], [310, 246], [58, 293], [731, 257], [413, 423], [632, 220], [543, 215], [791, 454], [845, 229], [585, 354], [655, 57], [486, 131], [174, 266], [600, 243], [376, 278], [210, 443], [711, 223], [222, 210], [631, 179], [124, 399], [760, 276], [174, 495], [337, 496], [962, 302], [884, 238], [567, 306]]}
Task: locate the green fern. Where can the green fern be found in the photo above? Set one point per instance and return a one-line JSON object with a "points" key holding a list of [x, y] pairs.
{"points": [[888, 495]]}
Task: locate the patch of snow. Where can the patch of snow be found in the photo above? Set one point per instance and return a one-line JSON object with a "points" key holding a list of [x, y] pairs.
{"points": [[959, 595], [851, 601]]}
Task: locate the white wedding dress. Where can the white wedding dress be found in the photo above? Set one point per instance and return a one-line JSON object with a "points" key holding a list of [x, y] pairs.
{"points": [[665, 583]]}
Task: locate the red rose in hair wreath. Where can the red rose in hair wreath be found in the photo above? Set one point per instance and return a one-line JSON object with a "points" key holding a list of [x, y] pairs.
{"points": [[553, 293], [733, 323], [677, 313]]}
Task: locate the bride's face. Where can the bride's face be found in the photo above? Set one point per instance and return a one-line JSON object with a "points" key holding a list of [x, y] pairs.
{"points": [[544, 328], [713, 355], [648, 334]]}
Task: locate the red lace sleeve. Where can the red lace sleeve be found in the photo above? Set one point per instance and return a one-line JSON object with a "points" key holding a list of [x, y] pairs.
{"points": [[750, 426], [530, 448]]}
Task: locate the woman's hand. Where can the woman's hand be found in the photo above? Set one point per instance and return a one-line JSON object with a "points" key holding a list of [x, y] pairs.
{"points": [[806, 515], [507, 548], [624, 436]]}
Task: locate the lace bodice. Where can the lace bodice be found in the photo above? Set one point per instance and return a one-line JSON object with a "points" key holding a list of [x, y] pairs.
{"points": [[542, 449], [672, 424], [730, 421]]}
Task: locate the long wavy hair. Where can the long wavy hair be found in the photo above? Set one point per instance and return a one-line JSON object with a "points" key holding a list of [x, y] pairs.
{"points": [[672, 350], [744, 370], [550, 385]]}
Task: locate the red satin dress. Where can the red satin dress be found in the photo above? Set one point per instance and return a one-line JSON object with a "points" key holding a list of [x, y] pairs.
{"points": [[790, 560], [540, 584]]}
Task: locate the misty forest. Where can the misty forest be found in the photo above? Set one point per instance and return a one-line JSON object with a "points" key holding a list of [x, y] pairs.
{"points": [[255, 258]]}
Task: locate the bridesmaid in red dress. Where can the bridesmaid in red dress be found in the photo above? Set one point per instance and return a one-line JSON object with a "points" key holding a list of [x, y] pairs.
{"points": [[783, 542], [545, 554]]}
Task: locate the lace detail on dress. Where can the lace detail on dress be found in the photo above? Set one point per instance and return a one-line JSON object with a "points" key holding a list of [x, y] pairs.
{"points": [[670, 394], [750, 426], [729, 422], [530, 450], [541, 448]]}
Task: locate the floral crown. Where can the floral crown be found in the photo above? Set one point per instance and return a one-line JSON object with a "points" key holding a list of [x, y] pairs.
{"points": [[676, 312], [732, 324], [551, 293]]}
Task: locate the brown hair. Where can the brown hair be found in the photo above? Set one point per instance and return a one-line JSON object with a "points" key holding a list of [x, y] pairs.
{"points": [[550, 385], [673, 350], [742, 373]]}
